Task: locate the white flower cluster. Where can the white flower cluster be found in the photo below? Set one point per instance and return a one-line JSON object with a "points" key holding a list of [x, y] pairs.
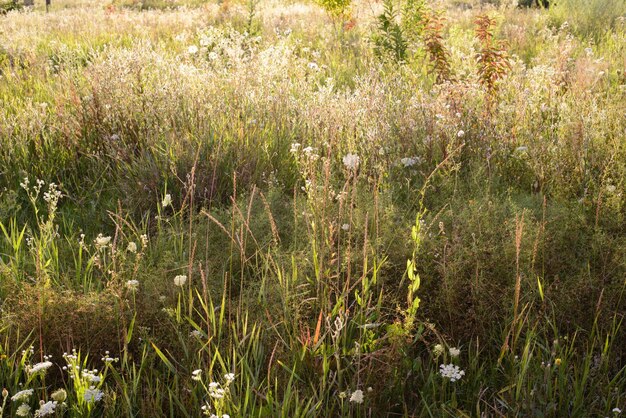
{"points": [[91, 376], [309, 152], [451, 372], [132, 247], [39, 367], [101, 241], [22, 395], [351, 161], [438, 350], [454, 352], [23, 410], [215, 391], [357, 396], [409, 161], [180, 280], [93, 395], [46, 408], [108, 359], [132, 285]]}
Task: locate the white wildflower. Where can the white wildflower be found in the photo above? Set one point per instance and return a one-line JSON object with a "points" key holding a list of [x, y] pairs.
{"points": [[196, 375], [229, 377], [39, 367], [167, 200], [294, 147], [451, 372], [132, 247], [460, 134], [616, 411], [438, 350], [345, 227], [217, 393], [132, 285], [180, 280], [46, 408], [59, 395], [454, 352], [313, 66], [351, 161], [357, 396], [23, 410], [611, 188], [409, 161], [93, 395], [193, 49], [22, 395], [101, 241]]}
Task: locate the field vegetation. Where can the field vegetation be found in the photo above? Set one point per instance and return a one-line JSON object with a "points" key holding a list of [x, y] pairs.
{"points": [[290, 208]]}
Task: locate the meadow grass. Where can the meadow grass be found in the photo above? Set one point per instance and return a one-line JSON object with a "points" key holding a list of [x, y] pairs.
{"points": [[299, 209]]}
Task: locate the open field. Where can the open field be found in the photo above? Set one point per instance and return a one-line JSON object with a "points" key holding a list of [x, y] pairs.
{"points": [[275, 208]]}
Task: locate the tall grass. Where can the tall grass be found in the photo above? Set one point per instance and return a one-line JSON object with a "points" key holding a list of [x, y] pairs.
{"points": [[198, 218]]}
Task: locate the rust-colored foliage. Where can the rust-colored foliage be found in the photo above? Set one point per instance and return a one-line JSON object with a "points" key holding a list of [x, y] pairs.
{"points": [[437, 53], [493, 62]]}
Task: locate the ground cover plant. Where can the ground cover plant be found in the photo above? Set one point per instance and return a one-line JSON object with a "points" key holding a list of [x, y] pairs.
{"points": [[274, 208]]}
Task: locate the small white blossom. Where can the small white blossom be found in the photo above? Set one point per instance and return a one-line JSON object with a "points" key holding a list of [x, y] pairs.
{"points": [[46, 408], [59, 395], [101, 241], [454, 352], [351, 161], [23, 410], [357, 396], [196, 375], [180, 280], [193, 49], [460, 134], [229, 377], [217, 393], [616, 411], [22, 395], [132, 247], [451, 372], [167, 200], [409, 161], [93, 395], [345, 227], [132, 285], [39, 367], [438, 350], [294, 147]]}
